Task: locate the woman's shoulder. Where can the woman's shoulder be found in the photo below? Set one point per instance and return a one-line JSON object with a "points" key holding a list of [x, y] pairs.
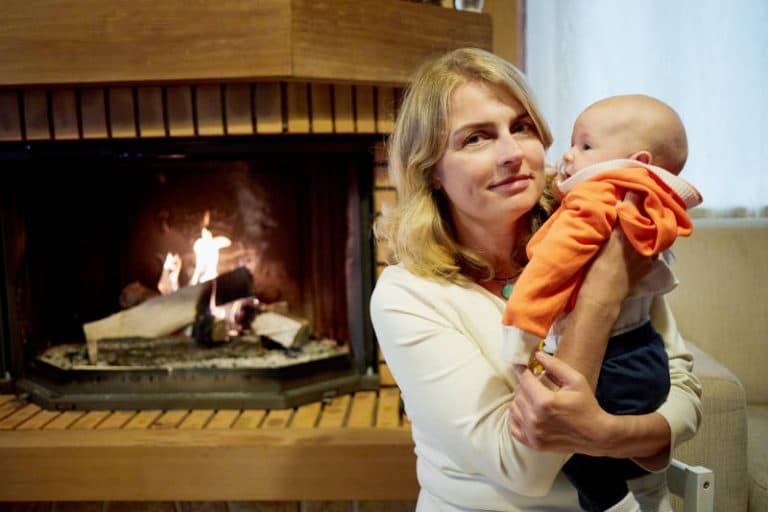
{"points": [[397, 287], [397, 280]]}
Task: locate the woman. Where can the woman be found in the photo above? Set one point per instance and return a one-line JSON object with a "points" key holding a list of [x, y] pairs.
{"points": [[467, 156]]}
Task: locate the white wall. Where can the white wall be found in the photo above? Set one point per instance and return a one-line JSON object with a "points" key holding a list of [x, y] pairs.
{"points": [[707, 58]]}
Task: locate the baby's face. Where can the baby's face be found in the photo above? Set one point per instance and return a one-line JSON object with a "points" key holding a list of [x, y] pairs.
{"points": [[597, 136]]}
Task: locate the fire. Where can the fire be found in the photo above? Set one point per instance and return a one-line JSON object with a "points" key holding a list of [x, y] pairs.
{"points": [[207, 249], [169, 279]]}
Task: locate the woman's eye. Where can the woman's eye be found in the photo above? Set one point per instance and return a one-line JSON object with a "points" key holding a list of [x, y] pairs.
{"points": [[523, 127], [474, 138]]}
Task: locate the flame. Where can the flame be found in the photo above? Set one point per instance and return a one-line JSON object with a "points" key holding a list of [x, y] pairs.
{"points": [[207, 249], [169, 279]]}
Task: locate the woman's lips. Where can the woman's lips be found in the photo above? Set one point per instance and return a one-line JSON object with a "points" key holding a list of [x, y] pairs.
{"points": [[516, 183]]}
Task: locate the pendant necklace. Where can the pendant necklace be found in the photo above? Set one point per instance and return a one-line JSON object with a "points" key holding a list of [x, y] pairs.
{"points": [[509, 284]]}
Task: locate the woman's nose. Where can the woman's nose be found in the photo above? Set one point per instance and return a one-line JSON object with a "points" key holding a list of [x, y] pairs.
{"points": [[510, 150]]}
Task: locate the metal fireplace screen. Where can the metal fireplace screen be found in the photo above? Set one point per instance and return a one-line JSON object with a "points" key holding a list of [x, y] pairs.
{"points": [[198, 275]]}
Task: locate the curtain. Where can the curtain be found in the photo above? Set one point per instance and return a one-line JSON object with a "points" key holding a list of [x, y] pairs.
{"points": [[708, 59]]}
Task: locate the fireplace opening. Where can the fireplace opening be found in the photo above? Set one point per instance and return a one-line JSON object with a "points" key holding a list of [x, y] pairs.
{"points": [[106, 304]]}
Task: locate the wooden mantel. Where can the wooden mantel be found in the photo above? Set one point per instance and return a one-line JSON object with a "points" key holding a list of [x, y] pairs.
{"points": [[81, 42]]}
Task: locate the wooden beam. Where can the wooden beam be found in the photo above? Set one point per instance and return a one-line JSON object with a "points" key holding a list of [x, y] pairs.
{"points": [[381, 41], [208, 465], [92, 41], [145, 41]]}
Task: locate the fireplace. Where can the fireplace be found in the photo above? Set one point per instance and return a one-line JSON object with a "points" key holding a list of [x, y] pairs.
{"points": [[128, 132], [86, 228]]}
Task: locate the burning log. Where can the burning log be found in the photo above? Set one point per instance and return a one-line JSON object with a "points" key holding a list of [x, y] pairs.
{"points": [[167, 314], [248, 316], [290, 332]]}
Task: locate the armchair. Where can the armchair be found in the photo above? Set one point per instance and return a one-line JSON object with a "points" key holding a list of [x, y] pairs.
{"points": [[720, 307]]}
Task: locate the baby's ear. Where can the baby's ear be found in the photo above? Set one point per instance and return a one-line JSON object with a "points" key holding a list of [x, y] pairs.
{"points": [[643, 156]]}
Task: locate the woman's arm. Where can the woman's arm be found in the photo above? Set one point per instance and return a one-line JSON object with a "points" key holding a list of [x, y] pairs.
{"points": [[558, 411], [566, 419], [606, 284], [682, 410]]}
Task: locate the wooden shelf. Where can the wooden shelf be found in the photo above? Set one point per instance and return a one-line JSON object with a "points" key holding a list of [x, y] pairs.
{"points": [[355, 447], [49, 42]]}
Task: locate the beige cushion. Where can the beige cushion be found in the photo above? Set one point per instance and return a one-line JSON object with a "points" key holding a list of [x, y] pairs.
{"points": [[722, 297]]}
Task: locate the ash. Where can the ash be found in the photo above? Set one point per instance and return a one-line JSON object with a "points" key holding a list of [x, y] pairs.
{"points": [[184, 352]]}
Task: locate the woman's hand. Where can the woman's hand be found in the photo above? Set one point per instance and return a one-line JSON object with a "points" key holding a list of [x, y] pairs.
{"points": [[557, 412]]}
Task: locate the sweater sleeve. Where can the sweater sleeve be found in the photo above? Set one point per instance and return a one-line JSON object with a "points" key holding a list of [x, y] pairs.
{"points": [[682, 410], [456, 400]]}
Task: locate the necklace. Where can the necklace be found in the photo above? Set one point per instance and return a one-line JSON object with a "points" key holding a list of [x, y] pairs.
{"points": [[509, 284]]}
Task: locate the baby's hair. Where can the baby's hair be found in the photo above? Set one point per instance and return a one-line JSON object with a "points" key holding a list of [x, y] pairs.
{"points": [[657, 125], [669, 143]]}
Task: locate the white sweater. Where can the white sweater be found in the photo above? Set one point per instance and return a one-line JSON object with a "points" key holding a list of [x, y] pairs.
{"points": [[441, 342]]}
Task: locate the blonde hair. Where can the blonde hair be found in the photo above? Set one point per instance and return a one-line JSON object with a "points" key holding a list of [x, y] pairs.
{"points": [[419, 230]]}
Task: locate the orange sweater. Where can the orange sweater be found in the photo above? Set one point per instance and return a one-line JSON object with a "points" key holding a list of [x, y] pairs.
{"points": [[560, 250]]}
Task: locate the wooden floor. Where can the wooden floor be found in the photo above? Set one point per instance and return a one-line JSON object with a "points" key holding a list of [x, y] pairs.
{"points": [[354, 447]]}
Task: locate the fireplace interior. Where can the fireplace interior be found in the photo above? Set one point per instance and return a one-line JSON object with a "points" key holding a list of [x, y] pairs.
{"points": [[87, 227]]}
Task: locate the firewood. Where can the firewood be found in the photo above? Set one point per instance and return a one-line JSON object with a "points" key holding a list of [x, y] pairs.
{"points": [[167, 314], [158, 316], [288, 331]]}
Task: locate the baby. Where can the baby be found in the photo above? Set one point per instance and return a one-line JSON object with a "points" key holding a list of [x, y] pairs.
{"points": [[626, 153]]}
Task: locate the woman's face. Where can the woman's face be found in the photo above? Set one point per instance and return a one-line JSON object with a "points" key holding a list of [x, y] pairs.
{"points": [[493, 168]]}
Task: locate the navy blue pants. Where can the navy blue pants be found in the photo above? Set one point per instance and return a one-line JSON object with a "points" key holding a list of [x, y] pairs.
{"points": [[634, 379]]}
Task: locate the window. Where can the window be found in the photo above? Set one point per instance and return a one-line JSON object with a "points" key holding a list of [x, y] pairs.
{"points": [[707, 58]]}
